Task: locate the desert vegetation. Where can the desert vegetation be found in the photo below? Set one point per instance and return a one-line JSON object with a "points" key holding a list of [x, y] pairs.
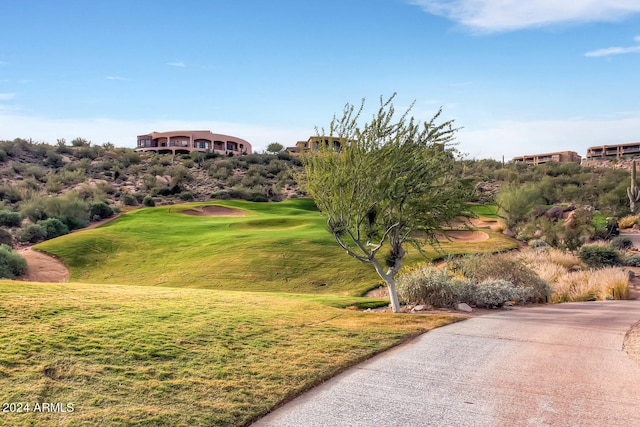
{"points": [[541, 274], [163, 321]]}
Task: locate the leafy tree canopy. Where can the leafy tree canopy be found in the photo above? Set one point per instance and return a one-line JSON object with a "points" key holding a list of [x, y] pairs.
{"points": [[388, 183]]}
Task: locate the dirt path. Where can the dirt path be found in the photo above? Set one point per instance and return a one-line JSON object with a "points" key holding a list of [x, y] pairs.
{"points": [[47, 268], [43, 268]]}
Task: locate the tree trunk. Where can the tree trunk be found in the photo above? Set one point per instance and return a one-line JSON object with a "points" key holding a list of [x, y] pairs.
{"points": [[393, 294], [390, 281]]}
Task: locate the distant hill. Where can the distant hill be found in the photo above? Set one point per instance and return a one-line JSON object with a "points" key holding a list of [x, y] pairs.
{"points": [[123, 177]]}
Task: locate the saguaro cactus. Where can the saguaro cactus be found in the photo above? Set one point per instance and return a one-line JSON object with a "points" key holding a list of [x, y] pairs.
{"points": [[633, 192]]}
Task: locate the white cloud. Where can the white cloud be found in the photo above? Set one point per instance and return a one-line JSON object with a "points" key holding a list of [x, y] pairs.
{"points": [[116, 78], [509, 15], [511, 138], [176, 64], [615, 50], [7, 96], [123, 133]]}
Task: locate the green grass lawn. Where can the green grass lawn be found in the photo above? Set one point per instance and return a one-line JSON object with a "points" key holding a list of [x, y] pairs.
{"points": [[279, 247], [158, 333], [152, 356], [486, 211]]}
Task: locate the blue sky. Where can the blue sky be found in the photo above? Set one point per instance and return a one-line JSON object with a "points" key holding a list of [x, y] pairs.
{"points": [[518, 77]]}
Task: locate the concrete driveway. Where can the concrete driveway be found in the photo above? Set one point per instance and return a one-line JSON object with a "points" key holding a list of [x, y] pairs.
{"points": [[558, 365]]}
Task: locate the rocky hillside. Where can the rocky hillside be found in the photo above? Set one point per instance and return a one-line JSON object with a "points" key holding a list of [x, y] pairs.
{"points": [[122, 177]]}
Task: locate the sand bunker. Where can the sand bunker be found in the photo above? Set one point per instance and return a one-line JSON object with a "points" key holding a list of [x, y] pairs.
{"points": [[472, 222], [463, 236], [212, 210]]}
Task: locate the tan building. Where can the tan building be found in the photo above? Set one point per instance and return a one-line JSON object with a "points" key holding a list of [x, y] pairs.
{"points": [[186, 141], [314, 143], [613, 151], [558, 157]]}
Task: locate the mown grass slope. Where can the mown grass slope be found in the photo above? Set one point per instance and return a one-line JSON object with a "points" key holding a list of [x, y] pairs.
{"points": [[130, 355], [280, 247]]}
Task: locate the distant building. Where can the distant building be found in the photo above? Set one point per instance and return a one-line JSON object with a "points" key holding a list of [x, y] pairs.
{"points": [[186, 141], [613, 151], [314, 143], [558, 157]]}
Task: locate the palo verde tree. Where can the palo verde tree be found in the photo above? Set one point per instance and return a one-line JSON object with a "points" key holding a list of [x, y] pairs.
{"points": [[386, 184]]}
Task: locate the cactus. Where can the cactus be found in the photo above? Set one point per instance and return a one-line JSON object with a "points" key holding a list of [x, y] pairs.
{"points": [[633, 192]]}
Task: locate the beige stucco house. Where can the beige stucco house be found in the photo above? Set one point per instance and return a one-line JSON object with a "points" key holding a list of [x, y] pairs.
{"points": [[186, 141]]}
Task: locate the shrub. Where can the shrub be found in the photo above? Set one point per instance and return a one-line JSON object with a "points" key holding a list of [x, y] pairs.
{"points": [[495, 292], [11, 263], [632, 261], [628, 221], [10, 219], [148, 201], [599, 256], [537, 243], [426, 284], [238, 193], [221, 195], [53, 227], [516, 201], [257, 197], [6, 238], [100, 210], [128, 200], [186, 196], [480, 268], [621, 242], [32, 233]]}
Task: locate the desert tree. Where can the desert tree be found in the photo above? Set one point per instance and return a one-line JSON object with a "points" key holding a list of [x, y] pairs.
{"points": [[386, 184], [275, 148]]}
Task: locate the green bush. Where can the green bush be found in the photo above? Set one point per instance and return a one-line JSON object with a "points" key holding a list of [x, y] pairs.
{"points": [[53, 227], [11, 263], [70, 209], [128, 200], [621, 243], [10, 219], [257, 197], [186, 196], [100, 210], [6, 238], [221, 195], [632, 261], [597, 256], [148, 201], [32, 233]]}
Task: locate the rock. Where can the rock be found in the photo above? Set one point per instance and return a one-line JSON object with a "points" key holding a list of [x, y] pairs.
{"points": [[509, 233], [464, 307], [554, 213], [419, 308]]}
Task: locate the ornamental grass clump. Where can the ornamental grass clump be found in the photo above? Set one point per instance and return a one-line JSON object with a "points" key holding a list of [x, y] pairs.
{"points": [[591, 285], [426, 284], [533, 259]]}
